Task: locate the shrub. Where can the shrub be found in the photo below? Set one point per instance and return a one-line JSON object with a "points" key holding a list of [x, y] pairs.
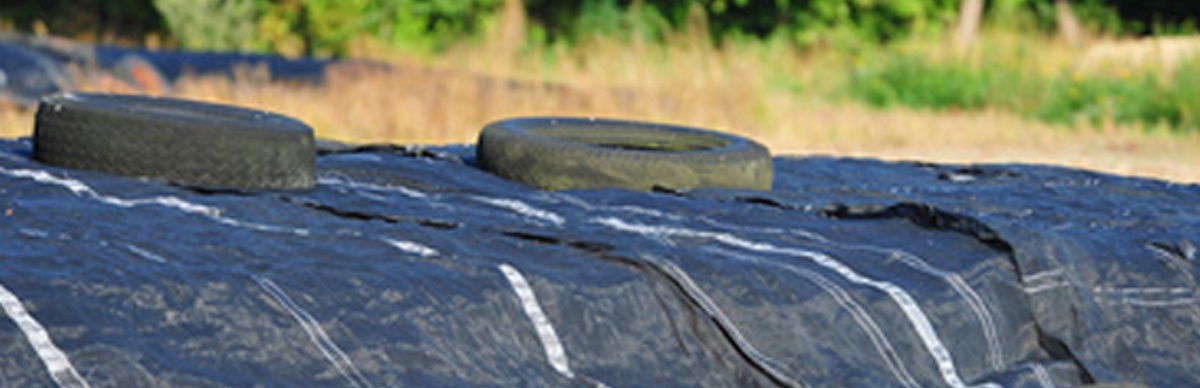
{"points": [[321, 27], [212, 24], [1187, 95], [914, 81], [1146, 98], [1150, 96]]}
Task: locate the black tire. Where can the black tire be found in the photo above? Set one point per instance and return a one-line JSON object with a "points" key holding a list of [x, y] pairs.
{"points": [[573, 153], [188, 142]]}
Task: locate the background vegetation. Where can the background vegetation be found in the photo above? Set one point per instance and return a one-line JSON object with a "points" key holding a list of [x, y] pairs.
{"points": [[861, 77], [328, 27]]}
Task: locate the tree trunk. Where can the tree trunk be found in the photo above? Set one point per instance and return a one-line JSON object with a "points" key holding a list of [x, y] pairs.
{"points": [[1068, 25], [507, 36], [969, 15]]}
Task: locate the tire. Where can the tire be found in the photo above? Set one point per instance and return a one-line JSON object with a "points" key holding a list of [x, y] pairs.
{"points": [[572, 153], [188, 142]]}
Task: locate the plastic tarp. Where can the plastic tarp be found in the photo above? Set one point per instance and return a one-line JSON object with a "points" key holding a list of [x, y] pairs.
{"points": [[411, 267], [31, 67], [26, 74], [175, 63]]}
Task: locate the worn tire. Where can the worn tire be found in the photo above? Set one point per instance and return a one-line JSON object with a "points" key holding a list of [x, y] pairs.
{"points": [[572, 153], [188, 142]]}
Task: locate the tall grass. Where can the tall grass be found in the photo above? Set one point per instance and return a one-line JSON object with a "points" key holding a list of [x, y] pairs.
{"points": [[1006, 77]]}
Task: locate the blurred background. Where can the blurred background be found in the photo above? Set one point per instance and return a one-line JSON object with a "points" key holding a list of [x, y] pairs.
{"points": [[1112, 85]]}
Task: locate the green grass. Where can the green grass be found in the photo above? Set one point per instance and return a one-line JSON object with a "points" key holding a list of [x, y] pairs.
{"points": [[1144, 99], [917, 82], [1149, 96]]}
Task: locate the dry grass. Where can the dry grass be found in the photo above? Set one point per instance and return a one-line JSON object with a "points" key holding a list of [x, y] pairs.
{"points": [[14, 121], [988, 137], [447, 99], [1164, 52]]}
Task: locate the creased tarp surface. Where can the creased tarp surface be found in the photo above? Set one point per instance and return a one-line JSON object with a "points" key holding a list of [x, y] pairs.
{"points": [[412, 267], [26, 74], [30, 68], [175, 64]]}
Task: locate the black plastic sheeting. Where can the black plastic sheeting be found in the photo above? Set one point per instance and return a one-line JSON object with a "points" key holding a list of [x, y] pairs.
{"points": [[29, 71], [174, 64], [26, 74], [409, 266]]}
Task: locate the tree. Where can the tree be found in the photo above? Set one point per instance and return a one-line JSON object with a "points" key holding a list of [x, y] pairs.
{"points": [[971, 12], [969, 15], [1068, 24]]}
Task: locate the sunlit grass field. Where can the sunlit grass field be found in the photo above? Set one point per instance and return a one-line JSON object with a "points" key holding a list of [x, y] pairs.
{"points": [[798, 103]]}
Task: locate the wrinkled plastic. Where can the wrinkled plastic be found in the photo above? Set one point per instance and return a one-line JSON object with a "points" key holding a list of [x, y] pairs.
{"points": [[25, 74], [175, 64], [29, 70], [409, 266]]}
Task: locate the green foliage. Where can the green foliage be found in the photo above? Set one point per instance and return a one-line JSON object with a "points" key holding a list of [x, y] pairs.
{"points": [[322, 27], [1148, 97], [841, 23], [1187, 96], [423, 24], [605, 18], [1101, 16], [914, 81], [1001, 78], [226, 24], [1097, 15], [129, 19], [329, 26], [852, 23]]}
